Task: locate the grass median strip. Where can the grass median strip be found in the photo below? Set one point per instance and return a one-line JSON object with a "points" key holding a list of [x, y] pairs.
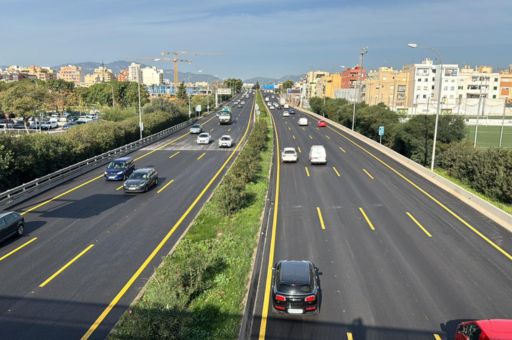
{"points": [[198, 291]]}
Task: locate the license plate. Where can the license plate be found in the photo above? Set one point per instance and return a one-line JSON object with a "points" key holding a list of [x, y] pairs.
{"points": [[295, 311], [112, 177]]}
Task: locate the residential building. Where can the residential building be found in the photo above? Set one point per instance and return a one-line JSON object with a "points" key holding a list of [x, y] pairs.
{"points": [[332, 83], [351, 76], [479, 91], [152, 76], [134, 72], [70, 73], [387, 86], [123, 75], [40, 72], [312, 80], [506, 85], [99, 75]]}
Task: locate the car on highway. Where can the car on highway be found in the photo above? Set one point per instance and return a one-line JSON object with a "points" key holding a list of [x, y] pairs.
{"points": [[317, 154], [303, 121], [322, 123], [203, 138], [295, 287], [289, 154], [196, 129], [225, 141], [286, 114], [498, 329], [141, 180], [292, 111], [11, 223], [119, 169]]}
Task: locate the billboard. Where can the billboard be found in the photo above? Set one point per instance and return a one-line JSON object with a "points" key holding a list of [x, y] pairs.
{"points": [[224, 91]]}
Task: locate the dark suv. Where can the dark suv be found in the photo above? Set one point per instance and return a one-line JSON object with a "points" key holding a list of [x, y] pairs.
{"points": [[119, 169], [295, 287], [141, 180], [11, 223]]}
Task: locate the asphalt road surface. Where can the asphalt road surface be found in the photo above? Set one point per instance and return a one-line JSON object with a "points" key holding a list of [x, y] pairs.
{"points": [[399, 257], [69, 275]]}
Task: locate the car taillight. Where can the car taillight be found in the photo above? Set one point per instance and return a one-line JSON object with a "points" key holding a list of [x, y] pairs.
{"points": [[280, 298], [280, 307], [310, 298], [311, 308]]}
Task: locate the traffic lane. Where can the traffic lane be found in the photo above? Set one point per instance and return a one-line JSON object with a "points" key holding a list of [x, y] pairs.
{"points": [[76, 298]]}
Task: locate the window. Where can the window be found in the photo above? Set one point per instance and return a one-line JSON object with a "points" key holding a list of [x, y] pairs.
{"points": [[425, 87], [495, 88], [2, 224], [424, 96], [432, 87], [426, 79], [433, 78], [494, 96], [419, 79]]}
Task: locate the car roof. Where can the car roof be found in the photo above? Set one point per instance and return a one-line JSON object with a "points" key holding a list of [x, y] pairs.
{"points": [[495, 328], [3, 214], [204, 134], [289, 148], [147, 169], [226, 136], [123, 159], [295, 272], [196, 124]]}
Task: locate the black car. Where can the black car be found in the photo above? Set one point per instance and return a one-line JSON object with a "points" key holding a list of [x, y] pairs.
{"points": [[141, 180], [11, 223], [295, 287], [292, 111], [119, 169]]}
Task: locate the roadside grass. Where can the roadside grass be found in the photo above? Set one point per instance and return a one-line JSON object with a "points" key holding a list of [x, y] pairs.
{"points": [[198, 291], [489, 136], [505, 207]]}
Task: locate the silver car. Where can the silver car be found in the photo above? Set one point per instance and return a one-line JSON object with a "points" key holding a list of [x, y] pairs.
{"points": [[203, 138]]}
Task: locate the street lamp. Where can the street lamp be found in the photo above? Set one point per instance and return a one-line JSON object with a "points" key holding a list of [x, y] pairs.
{"points": [[438, 110], [141, 127], [362, 52]]}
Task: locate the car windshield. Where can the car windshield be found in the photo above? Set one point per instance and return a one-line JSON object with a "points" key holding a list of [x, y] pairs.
{"points": [[203, 135], [196, 126], [139, 175], [116, 165], [225, 138], [289, 151]]}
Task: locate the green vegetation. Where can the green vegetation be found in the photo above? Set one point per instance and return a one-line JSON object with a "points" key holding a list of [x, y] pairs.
{"points": [[287, 84], [198, 291], [234, 84], [489, 136]]}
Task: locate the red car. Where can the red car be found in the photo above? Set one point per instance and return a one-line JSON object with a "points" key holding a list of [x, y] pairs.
{"points": [[493, 329], [322, 123]]}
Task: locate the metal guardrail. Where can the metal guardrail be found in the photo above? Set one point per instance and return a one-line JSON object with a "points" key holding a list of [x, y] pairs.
{"points": [[25, 191]]}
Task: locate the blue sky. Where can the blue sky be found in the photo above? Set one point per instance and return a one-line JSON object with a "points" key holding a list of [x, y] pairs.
{"points": [[256, 37]]}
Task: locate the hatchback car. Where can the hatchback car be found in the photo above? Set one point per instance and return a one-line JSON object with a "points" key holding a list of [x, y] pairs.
{"points": [[289, 155], [303, 121], [322, 123], [196, 129], [286, 114], [295, 287], [11, 223], [203, 138], [225, 141], [119, 169], [141, 180]]}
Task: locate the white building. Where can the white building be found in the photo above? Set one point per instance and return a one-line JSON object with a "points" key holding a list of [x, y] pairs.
{"points": [[151, 76], [134, 72]]}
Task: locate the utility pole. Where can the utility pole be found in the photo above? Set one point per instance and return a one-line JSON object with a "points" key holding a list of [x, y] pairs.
{"points": [[363, 51], [141, 127], [502, 122], [478, 112]]}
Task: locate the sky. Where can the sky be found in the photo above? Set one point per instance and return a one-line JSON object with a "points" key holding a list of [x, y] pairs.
{"points": [[247, 38]]}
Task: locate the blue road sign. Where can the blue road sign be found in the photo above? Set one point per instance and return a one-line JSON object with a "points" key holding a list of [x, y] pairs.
{"points": [[381, 130]]}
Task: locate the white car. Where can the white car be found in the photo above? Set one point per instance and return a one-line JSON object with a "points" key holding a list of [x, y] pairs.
{"points": [[317, 154], [286, 114], [196, 129], [225, 141], [289, 155], [303, 121], [203, 138]]}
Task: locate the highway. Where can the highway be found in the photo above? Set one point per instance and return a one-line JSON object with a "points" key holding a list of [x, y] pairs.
{"points": [[399, 258], [89, 248]]}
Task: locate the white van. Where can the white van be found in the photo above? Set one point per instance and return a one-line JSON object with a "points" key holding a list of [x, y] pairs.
{"points": [[317, 155]]}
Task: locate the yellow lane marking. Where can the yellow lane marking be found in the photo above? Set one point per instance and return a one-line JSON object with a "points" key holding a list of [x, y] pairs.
{"points": [[303, 129], [202, 155], [369, 175], [175, 154], [307, 171], [100, 176], [310, 137], [300, 151], [319, 212], [342, 150], [211, 130], [424, 192], [293, 136], [17, 249], [63, 268], [437, 337], [229, 129], [165, 186], [162, 243], [336, 171], [119, 187], [289, 128], [327, 137], [418, 224], [349, 336], [266, 297], [367, 219]]}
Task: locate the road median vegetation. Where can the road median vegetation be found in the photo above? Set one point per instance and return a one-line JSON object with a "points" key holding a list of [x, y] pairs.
{"points": [[198, 291]]}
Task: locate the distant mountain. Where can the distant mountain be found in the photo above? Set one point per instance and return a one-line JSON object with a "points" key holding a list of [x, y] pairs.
{"points": [[266, 80]]}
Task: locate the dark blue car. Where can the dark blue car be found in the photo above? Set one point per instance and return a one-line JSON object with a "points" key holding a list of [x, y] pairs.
{"points": [[119, 169]]}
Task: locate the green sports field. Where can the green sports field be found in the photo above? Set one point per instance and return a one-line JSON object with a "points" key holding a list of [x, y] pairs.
{"points": [[489, 136]]}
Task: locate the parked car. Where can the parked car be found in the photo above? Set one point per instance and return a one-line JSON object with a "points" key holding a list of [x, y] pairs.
{"points": [[225, 141], [295, 287], [317, 154], [492, 329], [322, 123], [196, 129], [11, 223], [289, 155], [20, 125], [68, 125], [6, 124], [141, 180], [119, 169], [303, 121], [203, 138]]}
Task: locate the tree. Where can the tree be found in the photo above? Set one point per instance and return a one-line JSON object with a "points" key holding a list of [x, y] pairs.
{"points": [[287, 84], [181, 94], [257, 86], [25, 99], [234, 84], [60, 94]]}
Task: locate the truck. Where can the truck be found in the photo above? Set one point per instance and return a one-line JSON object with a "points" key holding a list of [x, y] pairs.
{"points": [[282, 101], [225, 116], [286, 106]]}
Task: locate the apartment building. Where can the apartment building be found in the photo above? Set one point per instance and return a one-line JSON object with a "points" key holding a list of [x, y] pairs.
{"points": [[388, 86], [99, 75], [40, 72], [351, 76], [152, 76], [314, 86], [134, 72], [70, 73], [123, 75], [332, 83], [506, 85]]}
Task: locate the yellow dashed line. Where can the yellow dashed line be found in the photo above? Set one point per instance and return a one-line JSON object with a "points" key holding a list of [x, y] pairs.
{"points": [[369, 175]]}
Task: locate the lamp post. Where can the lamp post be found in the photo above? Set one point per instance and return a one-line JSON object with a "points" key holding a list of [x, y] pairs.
{"points": [[363, 51], [141, 127], [438, 110]]}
